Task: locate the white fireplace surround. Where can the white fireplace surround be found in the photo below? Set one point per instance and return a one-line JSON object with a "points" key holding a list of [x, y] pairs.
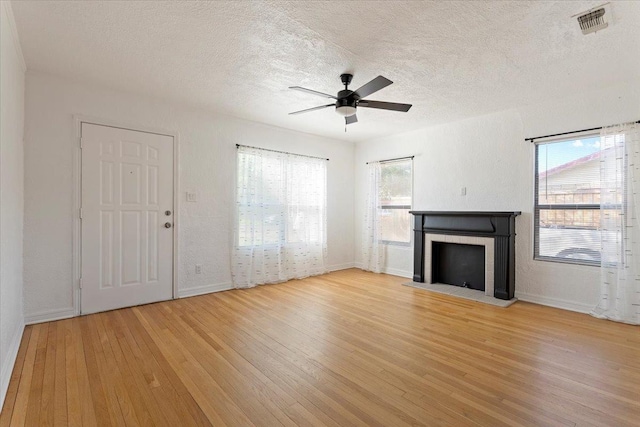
{"points": [[487, 242]]}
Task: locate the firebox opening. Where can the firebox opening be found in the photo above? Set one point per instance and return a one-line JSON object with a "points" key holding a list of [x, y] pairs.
{"points": [[458, 264]]}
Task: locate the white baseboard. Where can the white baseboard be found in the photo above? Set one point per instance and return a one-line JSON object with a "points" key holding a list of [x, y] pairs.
{"points": [[49, 315], [206, 289], [555, 302], [390, 271], [10, 361], [342, 266], [397, 272], [226, 286], [218, 287]]}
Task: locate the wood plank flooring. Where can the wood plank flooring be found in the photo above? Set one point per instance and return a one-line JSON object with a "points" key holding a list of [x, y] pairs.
{"points": [[347, 348]]}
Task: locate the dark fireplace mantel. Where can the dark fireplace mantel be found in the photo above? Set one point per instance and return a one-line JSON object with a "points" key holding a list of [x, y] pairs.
{"points": [[501, 226]]}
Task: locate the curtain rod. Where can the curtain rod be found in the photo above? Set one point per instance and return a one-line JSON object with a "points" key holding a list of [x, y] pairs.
{"points": [[565, 133], [281, 152], [391, 160]]}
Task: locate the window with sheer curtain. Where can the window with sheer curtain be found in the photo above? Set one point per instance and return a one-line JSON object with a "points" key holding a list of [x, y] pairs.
{"points": [[280, 217], [386, 216]]}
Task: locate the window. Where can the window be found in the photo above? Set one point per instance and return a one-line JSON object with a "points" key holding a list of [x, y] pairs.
{"points": [[567, 201], [394, 201], [281, 217]]}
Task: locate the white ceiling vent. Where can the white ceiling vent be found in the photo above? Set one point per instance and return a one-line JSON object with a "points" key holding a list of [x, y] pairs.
{"points": [[595, 19]]}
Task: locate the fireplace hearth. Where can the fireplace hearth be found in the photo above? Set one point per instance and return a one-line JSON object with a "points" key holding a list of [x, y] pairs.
{"points": [[476, 247]]}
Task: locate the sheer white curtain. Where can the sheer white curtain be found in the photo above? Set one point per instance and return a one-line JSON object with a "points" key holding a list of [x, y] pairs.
{"points": [[372, 251], [620, 224], [280, 217]]}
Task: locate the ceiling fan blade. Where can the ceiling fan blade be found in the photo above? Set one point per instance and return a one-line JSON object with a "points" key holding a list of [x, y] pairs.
{"points": [[373, 86], [312, 109], [312, 92], [394, 106], [350, 119]]}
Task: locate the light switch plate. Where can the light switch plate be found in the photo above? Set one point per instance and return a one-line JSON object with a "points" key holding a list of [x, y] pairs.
{"points": [[192, 197]]}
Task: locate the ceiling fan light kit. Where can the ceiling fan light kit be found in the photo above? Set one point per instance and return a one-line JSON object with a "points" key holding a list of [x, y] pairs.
{"points": [[348, 101], [346, 110]]}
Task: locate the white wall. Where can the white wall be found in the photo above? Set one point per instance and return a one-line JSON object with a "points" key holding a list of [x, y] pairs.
{"points": [[488, 156], [12, 71], [207, 167]]}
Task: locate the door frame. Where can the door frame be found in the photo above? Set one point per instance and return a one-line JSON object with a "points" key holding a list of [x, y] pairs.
{"points": [[78, 120]]}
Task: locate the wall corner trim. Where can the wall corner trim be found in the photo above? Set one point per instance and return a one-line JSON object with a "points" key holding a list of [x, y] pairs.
{"points": [[9, 363], [6, 5]]}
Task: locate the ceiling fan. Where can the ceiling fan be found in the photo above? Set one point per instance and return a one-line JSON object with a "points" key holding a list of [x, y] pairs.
{"points": [[348, 101]]}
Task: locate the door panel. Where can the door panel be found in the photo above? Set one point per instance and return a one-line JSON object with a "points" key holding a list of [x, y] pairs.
{"points": [[127, 185]]}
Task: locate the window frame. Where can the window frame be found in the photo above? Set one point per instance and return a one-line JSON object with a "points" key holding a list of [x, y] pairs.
{"points": [[575, 206], [393, 207]]}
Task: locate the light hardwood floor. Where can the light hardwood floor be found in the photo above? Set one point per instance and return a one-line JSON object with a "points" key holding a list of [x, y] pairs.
{"points": [[347, 348]]}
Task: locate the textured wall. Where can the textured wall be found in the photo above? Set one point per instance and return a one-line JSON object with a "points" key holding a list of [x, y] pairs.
{"points": [[488, 156], [11, 196], [207, 166]]}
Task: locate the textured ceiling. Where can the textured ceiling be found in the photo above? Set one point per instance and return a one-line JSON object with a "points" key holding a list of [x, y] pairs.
{"points": [[451, 60]]}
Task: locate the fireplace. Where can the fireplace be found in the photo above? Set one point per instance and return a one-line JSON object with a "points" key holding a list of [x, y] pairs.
{"points": [[473, 247]]}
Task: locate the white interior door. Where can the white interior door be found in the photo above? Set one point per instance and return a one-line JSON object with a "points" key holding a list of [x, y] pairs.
{"points": [[127, 218]]}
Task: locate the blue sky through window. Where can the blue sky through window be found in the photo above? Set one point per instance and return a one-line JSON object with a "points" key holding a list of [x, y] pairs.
{"points": [[559, 153]]}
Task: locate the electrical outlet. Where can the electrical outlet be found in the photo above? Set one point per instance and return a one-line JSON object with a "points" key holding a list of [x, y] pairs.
{"points": [[463, 191], [198, 268], [192, 197]]}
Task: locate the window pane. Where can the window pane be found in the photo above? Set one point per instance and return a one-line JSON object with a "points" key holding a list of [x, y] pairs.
{"points": [[395, 185], [569, 234], [395, 225], [569, 172], [570, 243], [570, 218]]}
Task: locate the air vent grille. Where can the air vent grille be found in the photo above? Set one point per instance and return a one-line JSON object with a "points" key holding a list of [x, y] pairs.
{"points": [[593, 21]]}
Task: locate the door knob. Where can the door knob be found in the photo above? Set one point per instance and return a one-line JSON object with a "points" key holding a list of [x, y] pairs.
{"points": [[167, 225]]}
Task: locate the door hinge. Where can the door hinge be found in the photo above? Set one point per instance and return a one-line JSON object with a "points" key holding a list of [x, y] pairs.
{"points": [[81, 143], [80, 213], [80, 283]]}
